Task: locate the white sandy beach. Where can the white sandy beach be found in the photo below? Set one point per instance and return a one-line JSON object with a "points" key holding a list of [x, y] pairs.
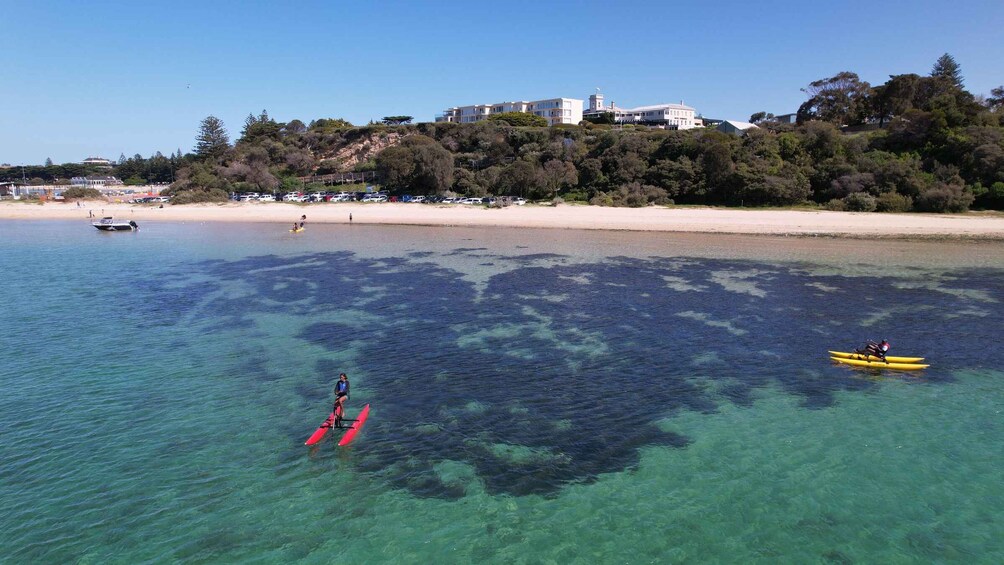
{"points": [[693, 220]]}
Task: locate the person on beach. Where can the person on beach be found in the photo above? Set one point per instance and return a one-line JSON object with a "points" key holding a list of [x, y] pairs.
{"points": [[876, 349], [341, 395]]}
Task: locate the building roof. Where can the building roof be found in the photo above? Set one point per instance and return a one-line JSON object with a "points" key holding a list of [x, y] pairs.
{"points": [[740, 125], [657, 107]]}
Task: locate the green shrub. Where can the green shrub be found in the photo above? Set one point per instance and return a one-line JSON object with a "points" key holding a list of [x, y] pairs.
{"points": [[602, 199], [893, 202], [860, 202], [836, 205], [576, 196], [945, 198], [80, 193], [193, 196]]}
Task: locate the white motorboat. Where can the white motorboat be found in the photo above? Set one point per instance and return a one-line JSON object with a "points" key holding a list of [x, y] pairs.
{"points": [[109, 223]]}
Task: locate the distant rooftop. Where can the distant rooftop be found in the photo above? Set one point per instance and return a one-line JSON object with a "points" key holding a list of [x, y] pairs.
{"points": [[741, 125], [656, 107]]}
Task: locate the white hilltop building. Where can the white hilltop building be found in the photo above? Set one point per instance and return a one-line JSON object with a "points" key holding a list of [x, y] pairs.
{"points": [[555, 110], [97, 161], [667, 116]]}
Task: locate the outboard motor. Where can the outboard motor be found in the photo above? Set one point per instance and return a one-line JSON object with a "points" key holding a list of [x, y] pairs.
{"points": [[134, 225]]}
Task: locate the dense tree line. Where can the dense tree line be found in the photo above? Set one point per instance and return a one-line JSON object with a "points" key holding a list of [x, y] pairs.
{"points": [[135, 170], [912, 143]]}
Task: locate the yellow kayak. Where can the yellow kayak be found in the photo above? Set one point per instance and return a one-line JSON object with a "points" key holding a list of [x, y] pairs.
{"points": [[861, 357], [881, 365], [297, 230]]}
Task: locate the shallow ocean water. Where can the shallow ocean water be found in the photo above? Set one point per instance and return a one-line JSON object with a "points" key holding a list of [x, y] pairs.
{"points": [[537, 396]]}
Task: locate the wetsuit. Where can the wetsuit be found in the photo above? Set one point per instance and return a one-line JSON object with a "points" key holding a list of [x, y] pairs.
{"points": [[877, 349], [341, 389]]}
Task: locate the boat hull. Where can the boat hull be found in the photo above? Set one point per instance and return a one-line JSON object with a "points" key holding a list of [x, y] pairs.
{"points": [[108, 223], [323, 429], [350, 434], [881, 365], [114, 228], [861, 357]]}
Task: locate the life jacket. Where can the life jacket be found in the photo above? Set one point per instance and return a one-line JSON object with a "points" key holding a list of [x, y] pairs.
{"points": [[341, 386]]}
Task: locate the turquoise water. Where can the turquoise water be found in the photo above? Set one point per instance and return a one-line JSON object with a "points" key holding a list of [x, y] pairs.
{"points": [[537, 397]]}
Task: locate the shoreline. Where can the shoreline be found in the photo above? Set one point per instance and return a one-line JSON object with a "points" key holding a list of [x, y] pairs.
{"points": [[725, 221]]}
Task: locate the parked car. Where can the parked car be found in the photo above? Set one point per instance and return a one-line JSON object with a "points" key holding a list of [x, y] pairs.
{"points": [[519, 201], [472, 201], [417, 199], [267, 198], [293, 197]]}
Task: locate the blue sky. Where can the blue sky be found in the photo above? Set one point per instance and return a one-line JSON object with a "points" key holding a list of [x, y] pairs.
{"points": [[105, 78]]}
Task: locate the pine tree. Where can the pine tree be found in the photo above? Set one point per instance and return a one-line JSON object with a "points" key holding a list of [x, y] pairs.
{"points": [[212, 141], [48, 162], [947, 68]]}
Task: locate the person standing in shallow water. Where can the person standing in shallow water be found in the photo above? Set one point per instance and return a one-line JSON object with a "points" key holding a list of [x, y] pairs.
{"points": [[303, 220]]}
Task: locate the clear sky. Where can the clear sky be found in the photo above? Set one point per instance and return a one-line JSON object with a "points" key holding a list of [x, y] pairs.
{"points": [[103, 78]]}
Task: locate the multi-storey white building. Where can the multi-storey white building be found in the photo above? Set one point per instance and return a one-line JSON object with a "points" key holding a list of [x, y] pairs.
{"points": [[554, 110], [95, 182], [669, 116]]}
